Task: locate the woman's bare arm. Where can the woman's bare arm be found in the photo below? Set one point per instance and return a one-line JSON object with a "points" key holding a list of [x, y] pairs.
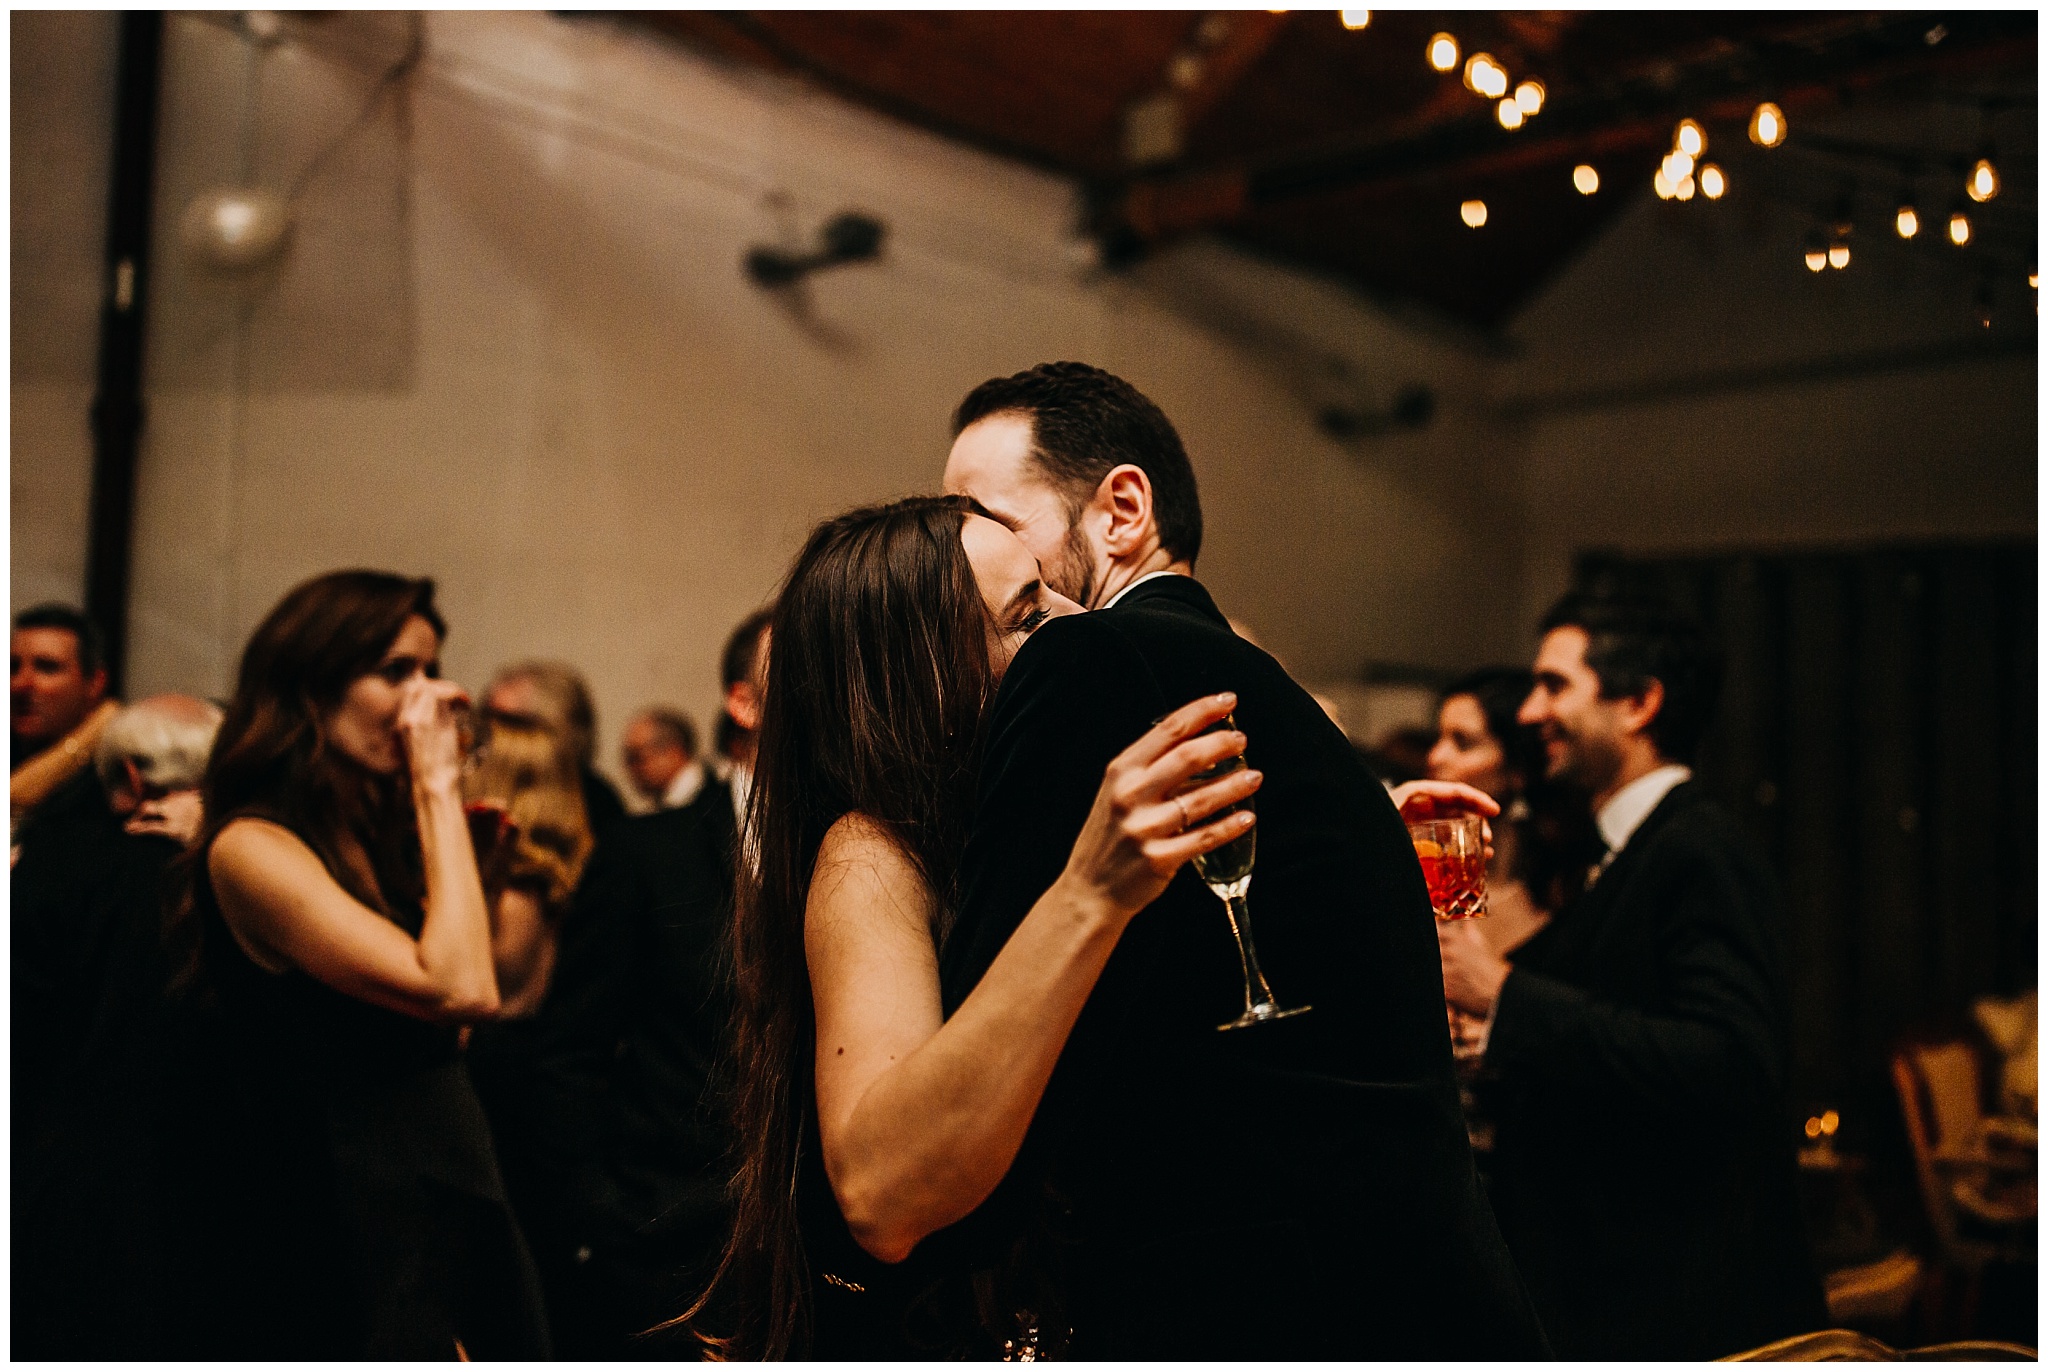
{"points": [[282, 904], [920, 1116], [522, 948]]}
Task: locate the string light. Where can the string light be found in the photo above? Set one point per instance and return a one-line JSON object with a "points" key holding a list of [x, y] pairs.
{"points": [[1690, 139], [1677, 166], [1485, 76], [1983, 181], [1510, 114], [1713, 182], [1686, 188], [1908, 220], [1473, 212], [1767, 126], [1443, 52], [1816, 260], [1355, 19], [1529, 95], [1585, 179], [1838, 256], [1959, 229], [1663, 185]]}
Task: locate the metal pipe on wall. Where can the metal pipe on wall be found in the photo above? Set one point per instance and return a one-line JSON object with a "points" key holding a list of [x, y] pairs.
{"points": [[117, 412]]}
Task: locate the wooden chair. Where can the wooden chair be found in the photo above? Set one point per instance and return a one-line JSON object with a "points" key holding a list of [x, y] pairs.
{"points": [[1845, 1345], [1979, 1204]]}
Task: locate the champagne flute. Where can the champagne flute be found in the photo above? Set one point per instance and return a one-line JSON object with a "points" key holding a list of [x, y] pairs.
{"points": [[1227, 871]]}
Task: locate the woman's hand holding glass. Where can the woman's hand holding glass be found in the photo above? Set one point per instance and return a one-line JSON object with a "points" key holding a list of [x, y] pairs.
{"points": [[1145, 824]]}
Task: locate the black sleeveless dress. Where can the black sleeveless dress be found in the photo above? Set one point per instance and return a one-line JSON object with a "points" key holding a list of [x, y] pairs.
{"points": [[361, 1210]]}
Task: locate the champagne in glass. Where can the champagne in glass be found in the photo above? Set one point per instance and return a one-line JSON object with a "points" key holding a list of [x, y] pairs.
{"points": [[1227, 871]]}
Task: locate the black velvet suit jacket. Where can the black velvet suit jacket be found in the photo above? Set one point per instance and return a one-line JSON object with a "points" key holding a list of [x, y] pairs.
{"points": [[631, 1147], [1643, 1168], [1298, 1189]]}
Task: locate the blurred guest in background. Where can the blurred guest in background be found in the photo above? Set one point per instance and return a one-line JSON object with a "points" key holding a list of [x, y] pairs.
{"points": [[150, 759], [340, 922], [58, 685], [743, 676], [555, 695], [91, 1051], [1643, 1162], [1544, 841], [627, 1198], [660, 752], [528, 773]]}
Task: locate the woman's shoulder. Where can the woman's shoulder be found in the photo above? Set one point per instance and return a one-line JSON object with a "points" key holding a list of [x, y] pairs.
{"points": [[859, 859], [255, 837]]}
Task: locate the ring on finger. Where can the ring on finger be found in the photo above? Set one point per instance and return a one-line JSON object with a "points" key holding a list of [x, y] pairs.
{"points": [[1183, 807]]}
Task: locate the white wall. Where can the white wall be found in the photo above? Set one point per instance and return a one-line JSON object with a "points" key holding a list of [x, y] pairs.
{"points": [[61, 106], [606, 444]]}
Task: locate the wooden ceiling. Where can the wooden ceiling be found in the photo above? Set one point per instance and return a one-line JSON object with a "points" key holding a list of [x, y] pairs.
{"points": [[1342, 150]]}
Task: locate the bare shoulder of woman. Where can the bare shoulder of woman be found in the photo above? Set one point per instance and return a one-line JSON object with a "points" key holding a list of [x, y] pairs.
{"points": [[863, 876], [261, 872]]}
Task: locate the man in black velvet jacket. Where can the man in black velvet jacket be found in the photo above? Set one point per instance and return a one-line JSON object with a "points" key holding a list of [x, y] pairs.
{"points": [[1296, 1189], [1635, 1060]]}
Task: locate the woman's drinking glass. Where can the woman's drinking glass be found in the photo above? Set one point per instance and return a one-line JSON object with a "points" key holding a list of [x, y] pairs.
{"points": [[1453, 857]]}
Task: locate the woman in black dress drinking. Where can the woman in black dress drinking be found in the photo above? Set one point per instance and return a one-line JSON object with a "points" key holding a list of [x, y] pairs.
{"points": [[342, 933]]}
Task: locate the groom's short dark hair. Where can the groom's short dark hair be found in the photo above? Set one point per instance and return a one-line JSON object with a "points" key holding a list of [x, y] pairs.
{"points": [[1085, 421]]}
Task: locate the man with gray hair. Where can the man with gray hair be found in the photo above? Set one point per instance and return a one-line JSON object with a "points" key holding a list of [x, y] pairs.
{"points": [[96, 1076], [151, 758]]}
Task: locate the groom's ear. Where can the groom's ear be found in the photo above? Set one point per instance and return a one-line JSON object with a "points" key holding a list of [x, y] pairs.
{"points": [[1125, 496]]}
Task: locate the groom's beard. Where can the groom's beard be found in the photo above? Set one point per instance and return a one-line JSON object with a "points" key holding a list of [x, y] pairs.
{"points": [[1073, 574]]}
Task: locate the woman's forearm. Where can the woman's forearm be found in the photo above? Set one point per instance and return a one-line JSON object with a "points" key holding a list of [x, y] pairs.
{"points": [[931, 1137], [455, 937]]}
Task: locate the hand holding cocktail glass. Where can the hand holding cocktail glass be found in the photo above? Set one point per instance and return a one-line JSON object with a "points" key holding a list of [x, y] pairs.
{"points": [[1447, 826]]}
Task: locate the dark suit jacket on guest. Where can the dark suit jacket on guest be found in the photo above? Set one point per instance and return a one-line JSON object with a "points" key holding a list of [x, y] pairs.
{"points": [[1643, 1168], [1302, 1189], [631, 1150]]}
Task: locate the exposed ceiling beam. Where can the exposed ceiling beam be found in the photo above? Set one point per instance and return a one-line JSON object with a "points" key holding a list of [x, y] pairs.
{"points": [[1803, 71]]}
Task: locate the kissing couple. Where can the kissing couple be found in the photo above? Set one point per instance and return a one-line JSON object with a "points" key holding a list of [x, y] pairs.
{"points": [[983, 1105]]}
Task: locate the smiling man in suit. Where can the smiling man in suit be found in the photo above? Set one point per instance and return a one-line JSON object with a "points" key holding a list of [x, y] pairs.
{"points": [[1295, 1189], [1635, 1055]]}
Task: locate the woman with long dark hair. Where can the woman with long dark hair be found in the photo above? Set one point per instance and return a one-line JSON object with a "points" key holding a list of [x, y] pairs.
{"points": [[867, 1120], [339, 925]]}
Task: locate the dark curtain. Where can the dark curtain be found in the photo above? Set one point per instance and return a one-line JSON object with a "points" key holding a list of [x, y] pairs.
{"points": [[1877, 732]]}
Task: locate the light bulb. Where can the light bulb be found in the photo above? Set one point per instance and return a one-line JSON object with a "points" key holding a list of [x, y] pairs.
{"points": [[1838, 256], [1690, 139], [235, 229], [1585, 178], [1767, 126], [1510, 114], [1473, 212], [1443, 52], [1816, 260], [1663, 185], [1983, 181], [1529, 95], [1485, 76], [1959, 228], [1677, 166], [1355, 19], [1713, 182], [1908, 222], [1686, 188]]}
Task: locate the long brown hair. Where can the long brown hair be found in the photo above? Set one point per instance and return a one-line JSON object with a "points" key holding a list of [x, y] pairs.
{"points": [[878, 684], [272, 754], [530, 770]]}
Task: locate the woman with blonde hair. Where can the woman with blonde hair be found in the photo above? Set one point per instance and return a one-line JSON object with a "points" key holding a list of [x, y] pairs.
{"points": [[527, 774]]}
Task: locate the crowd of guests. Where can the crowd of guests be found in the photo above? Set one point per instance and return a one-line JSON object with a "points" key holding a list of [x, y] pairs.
{"points": [[355, 1017]]}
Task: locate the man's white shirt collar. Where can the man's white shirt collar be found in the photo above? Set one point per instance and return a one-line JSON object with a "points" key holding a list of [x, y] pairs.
{"points": [[1149, 576], [683, 787], [1620, 817]]}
